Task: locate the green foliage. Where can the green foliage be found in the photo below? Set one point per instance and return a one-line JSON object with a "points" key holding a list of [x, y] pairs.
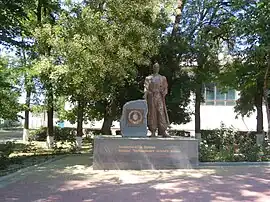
{"points": [[11, 16], [99, 52], [250, 52], [227, 144], [178, 99], [38, 134], [191, 56], [5, 150], [9, 106], [60, 134]]}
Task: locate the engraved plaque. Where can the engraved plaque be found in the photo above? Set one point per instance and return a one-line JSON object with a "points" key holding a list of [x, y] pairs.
{"points": [[134, 117]]}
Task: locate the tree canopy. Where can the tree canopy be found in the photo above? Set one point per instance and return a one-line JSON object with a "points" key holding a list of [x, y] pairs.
{"points": [[96, 54]]}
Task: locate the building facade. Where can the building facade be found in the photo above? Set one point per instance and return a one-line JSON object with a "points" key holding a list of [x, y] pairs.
{"points": [[217, 108]]}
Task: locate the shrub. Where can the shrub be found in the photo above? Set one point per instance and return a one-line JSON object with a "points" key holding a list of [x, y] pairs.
{"points": [[181, 133], [5, 150], [38, 134], [60, 134], [227, 144], [207, 153], [65, 134]]}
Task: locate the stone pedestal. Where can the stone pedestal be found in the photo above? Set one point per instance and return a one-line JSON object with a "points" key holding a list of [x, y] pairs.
{"points": [[124, 153], [133, 122], [198, 136]]}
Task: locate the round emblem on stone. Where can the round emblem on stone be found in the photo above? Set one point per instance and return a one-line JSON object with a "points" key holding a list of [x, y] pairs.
{"points": [[135, 117]]}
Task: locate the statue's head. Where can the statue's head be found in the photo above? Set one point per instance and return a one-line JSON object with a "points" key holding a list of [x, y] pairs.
{"points": [[156, 68]]}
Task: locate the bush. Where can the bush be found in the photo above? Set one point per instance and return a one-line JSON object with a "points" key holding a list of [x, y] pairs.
{"points": [[181, 133], [207, 153], [65, 134], [5, 150], [227, 144], [38, 134], [60, 134]]}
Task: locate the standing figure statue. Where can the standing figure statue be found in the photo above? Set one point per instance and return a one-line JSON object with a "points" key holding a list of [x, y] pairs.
{"points": [[155, 90]]}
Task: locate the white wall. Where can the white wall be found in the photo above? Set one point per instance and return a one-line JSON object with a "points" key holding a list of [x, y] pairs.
{"points": [[211, 118]]}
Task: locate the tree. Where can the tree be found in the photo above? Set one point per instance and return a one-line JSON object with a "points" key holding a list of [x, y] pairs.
{"points": [[205, 24], [101, 50], [12, 14], [251, 51], [46, 13], [15, 32], [9, 94], [244, 75]]}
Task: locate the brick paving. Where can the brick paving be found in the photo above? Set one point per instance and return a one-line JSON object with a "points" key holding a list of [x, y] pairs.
{"points": [[72, 179]]}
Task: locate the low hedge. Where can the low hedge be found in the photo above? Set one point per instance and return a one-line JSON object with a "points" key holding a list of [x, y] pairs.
{"points": [[223, 144], [60, 134], [227, 144]]}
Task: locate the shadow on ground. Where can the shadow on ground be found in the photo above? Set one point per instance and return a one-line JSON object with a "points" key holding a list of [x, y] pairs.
{"points": [[74, 180]]}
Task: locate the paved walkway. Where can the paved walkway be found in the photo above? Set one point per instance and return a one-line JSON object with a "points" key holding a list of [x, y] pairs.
{"points": [[10, 135], [72, 179]]}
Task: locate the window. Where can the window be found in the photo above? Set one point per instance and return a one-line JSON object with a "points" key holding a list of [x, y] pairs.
{"points": [[209, 94], [214, 96]]}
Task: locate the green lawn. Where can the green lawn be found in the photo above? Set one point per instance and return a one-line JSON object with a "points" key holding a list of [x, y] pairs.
{"points": [[25, 155]]}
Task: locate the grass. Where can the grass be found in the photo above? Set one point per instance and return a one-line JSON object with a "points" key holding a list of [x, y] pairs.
{"points": [[19, 162], [25, 155]]}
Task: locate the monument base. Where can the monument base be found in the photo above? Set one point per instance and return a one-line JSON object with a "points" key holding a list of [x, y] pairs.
{"points": [[120, 153]]}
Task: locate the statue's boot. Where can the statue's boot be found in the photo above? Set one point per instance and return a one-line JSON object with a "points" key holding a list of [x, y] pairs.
{"points": [[164, 134]]}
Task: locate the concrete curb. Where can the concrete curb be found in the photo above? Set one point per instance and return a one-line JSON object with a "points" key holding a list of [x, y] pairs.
{"points": [[22, 171], [203, 165]]}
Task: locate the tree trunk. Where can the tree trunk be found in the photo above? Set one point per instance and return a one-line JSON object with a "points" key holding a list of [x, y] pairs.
{"points": [[259, 117], [80, 119], [28, 88], [259, 107], [106, 126], [39, 11], [266, 90], [50, 140], [26, 115], [109, 115], [198, 99], [80, 116]]}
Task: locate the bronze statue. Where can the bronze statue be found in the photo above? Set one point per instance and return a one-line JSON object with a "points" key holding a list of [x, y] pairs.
{"points": [[155, 90]]}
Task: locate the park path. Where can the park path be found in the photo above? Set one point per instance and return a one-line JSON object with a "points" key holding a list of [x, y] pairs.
{"points": [[10, 135], [72, 179]]}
